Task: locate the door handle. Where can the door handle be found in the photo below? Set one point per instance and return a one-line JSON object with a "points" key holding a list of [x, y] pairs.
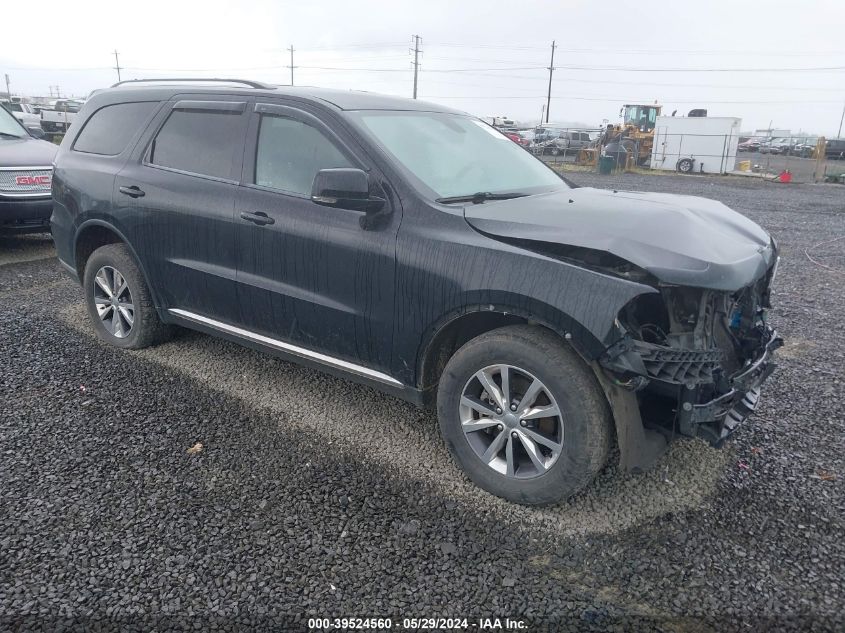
{"points": [[260, 218], [133, 192]]}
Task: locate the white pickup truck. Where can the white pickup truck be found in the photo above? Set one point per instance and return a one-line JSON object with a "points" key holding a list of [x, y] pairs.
{"points": [[23, 112], [59, 116]]}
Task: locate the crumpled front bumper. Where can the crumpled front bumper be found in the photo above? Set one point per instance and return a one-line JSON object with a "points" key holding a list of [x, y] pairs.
{"points": [[717, 419], [706, 403]]}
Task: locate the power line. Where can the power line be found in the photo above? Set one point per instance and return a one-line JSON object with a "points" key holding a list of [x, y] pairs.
{"points": [[636, 69], [506, 61], [451, 70], [639, 83], [362, 46], [629, 99], [430, 70], [492, 46], [656, 51], [588, 68], [51, 69], [210, 70], [647, 51]]}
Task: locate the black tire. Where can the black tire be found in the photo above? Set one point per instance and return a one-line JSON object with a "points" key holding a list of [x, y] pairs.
{"points": [[146, 329], [585, 414], [685, 165]]}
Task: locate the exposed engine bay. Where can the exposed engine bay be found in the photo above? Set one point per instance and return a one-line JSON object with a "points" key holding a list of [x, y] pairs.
{"points": [[695, 357]]}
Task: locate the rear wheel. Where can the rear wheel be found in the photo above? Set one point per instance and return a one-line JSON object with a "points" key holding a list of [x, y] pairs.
{"points": [[118, 300], [523, 415]]}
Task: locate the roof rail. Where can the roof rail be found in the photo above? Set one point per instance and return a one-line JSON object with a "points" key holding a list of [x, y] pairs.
{"points": [[246, 82]]}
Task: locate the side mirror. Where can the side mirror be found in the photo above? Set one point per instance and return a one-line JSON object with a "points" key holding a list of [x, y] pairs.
{"points": [[345, 188], [35, 132]]}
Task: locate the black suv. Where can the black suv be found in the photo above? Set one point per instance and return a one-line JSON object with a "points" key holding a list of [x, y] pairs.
{"points": [[835, 148], [416, 249]]}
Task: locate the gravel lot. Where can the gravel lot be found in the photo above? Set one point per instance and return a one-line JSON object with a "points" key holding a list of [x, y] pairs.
{"points": [[314, 496]]}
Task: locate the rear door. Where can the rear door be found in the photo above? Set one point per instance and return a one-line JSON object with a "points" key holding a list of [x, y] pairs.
{"points": [[177, 199], [308, 274]]}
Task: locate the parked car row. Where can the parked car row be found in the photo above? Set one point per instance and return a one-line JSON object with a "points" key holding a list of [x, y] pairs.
{"points": [[552, 140], [785, 145], [804, 147], [55, 117]]}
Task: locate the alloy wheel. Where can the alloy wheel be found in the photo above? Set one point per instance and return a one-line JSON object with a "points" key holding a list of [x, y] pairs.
{"points": [[113, 301], [511, 421]]}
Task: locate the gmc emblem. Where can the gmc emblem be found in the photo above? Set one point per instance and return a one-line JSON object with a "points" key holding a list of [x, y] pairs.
{"points": [[32, 180]]}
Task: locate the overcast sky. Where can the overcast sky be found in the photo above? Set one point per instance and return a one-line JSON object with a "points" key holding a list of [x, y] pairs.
{"points": [[484, 57]]}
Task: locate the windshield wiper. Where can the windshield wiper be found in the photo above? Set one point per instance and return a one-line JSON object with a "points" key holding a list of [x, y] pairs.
{"points": [[480, 197], [7, 135]]}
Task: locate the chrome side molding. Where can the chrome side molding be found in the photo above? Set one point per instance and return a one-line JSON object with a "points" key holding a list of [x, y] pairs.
{"points": [[287, 347]]}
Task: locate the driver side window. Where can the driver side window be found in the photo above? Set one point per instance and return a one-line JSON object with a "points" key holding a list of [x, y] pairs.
{"points": [[290, 153]]}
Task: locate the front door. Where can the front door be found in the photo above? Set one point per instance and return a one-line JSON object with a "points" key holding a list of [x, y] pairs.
{"points": [[311, 275]]}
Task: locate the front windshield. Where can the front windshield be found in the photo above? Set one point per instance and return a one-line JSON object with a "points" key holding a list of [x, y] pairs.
{"points": [[457, 155], [9, 125]]}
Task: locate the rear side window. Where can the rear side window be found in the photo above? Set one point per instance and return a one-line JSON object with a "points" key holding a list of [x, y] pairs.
{"points": [[290, 153], [109, 129], [198, 141]]}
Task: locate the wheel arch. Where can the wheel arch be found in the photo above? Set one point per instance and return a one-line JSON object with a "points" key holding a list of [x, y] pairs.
{"points": [[446, 335], [94, 233]]}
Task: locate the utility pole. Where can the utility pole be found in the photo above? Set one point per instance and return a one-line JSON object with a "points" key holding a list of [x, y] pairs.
{"points": [[117, 65], [416, 61], [291, 64], [8, 90], [839, 135], [551, 70]]}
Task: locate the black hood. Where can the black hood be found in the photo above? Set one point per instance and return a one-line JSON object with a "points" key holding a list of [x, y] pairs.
{"points": [[680, 240], [26, 152]]}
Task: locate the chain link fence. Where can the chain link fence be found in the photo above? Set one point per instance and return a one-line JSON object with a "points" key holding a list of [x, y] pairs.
{"points": [[796, 158]]}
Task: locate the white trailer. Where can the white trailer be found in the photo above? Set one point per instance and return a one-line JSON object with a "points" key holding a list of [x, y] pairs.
{"points": [[700, 144]]}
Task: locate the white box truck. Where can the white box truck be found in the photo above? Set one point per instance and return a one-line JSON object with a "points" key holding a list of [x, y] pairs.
{"points": [[695, 144]]}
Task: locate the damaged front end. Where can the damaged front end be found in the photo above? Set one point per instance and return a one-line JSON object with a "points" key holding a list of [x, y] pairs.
{"points": [[695, 358]]}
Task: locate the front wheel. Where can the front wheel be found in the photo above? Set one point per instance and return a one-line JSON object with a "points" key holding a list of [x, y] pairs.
{"points": [[523, 416]]}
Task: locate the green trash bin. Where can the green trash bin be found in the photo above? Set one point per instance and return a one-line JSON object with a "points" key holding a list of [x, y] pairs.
{"points": [[606, 164]]}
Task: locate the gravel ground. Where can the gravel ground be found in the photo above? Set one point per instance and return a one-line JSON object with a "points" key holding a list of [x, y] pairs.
{"points": [[25, 248], [313, 496]]}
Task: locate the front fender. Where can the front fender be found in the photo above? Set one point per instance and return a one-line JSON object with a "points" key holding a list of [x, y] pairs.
{"points": [[509, 305]]}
